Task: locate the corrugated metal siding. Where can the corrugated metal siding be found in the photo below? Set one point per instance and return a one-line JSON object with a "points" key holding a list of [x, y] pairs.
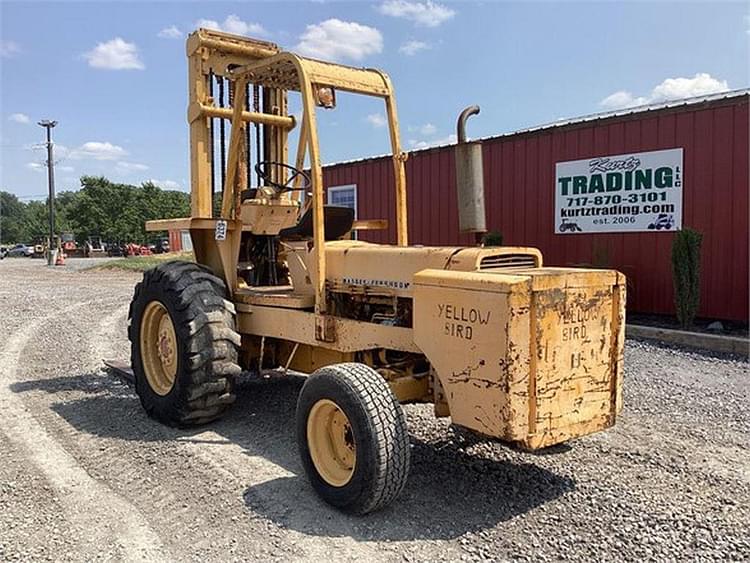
{"points": [[519, 183]]}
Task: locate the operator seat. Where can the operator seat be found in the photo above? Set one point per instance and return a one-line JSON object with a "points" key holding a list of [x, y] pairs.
{"points": [[338, 222]]}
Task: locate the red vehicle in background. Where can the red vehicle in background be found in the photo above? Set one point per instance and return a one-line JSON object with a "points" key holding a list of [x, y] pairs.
{"points": [[128, 249], [70, 247], [133, 249]]}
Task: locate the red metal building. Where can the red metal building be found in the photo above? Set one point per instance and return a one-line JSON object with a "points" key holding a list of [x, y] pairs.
{"points": [[519, 175]]}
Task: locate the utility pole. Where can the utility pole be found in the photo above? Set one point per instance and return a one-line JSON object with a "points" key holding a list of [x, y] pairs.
{"points": [[48, 125]]}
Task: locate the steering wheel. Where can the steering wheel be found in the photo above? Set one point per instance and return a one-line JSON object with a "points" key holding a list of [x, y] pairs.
{"points": [[263, 170]]}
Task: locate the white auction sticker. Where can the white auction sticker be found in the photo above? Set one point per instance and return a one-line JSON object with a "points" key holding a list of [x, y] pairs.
{"points": [[221, 230]]}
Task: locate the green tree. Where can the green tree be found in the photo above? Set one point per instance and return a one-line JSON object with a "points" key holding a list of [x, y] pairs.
{"points": [[105, 209], [115, 212], [63, 203], [11, 218], [36, 222]]}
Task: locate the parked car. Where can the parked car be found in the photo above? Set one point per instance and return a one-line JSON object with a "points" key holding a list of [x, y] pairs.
{"points": [[21, 250], [3, 252]]}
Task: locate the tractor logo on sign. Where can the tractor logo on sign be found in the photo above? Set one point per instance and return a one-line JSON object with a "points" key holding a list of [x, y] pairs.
{"points": [[662, 221], [569, 227]]}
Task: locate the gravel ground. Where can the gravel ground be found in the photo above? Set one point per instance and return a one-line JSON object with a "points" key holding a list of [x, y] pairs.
{"points": [[85, 475]]}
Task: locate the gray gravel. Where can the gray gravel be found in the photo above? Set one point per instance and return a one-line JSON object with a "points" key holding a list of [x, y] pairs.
{"points": [[84, 474]]}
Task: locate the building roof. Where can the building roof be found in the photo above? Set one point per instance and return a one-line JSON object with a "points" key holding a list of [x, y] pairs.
{"points": [[583, 119]]}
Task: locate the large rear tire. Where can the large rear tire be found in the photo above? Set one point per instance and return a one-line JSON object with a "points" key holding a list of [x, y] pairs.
{"points": [[352, 438], [183, 344]]}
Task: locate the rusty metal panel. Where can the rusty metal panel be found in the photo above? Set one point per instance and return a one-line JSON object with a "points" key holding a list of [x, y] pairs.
{"points": [[479, 349], [519, 184], [175, 240], [537, 360]]}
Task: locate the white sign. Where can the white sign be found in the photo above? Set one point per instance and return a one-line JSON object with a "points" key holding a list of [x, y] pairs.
{"points": [[220, 232], [622, 193]]}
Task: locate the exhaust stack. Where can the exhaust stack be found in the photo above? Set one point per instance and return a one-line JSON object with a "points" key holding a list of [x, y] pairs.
{"points": [[470, 180]]}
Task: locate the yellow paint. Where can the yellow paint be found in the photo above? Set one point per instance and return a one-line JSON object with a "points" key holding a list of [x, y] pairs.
{"points": [[410, 389], [517, 351], [268, 217], [531, 357], [331, 443], [158, 344]]}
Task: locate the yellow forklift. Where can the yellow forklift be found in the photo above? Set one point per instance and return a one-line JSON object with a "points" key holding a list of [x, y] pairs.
{"points": [[506, 347]]}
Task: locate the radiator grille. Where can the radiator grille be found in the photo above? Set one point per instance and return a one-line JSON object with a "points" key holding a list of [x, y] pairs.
{"points": [[508, 261]]}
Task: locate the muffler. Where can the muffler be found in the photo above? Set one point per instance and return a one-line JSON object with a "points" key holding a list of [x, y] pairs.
{"points": [[470, 180]]}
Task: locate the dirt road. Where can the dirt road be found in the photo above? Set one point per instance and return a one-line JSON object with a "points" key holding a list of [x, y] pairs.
{"points": [[84, 474]]}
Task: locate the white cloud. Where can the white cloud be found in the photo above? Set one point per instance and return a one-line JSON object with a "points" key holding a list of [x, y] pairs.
{"points": [[9, 48], [65, 168], [449, 140], [336, 39], [701, 84], [622, 99], [116, 54], [19, 117], [426, 130], [35, 165], [233, 24], [165, 184], [98, 150], [429, 14], [131, 166], [61, 151], [377, 120], [413, 47], [171, 32]]}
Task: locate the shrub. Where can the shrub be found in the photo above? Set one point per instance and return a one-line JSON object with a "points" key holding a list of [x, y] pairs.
{"points": [[686, 269]]}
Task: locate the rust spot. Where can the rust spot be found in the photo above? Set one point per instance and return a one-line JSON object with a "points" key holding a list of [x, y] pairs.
{"points": [[466, 376]]}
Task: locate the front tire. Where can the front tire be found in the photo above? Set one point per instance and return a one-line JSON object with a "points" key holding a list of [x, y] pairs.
{"points": [[183, 344], [352, 438]]}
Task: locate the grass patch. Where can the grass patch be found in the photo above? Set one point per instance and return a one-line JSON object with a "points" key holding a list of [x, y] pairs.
{"points": [[143, 263]]}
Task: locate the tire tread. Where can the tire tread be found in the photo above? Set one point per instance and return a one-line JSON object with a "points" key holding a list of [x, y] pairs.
{"points": [[207, 319], [387, 425]]}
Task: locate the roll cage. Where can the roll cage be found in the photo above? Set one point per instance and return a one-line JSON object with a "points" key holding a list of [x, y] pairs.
{"points": [[250, 64]]}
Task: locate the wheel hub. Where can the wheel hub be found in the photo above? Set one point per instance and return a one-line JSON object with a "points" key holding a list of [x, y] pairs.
{"points": [[331, 442], [158, 348]]}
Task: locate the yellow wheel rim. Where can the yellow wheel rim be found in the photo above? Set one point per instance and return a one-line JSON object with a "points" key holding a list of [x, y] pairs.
{"points": [[331, 443], [158, 348]]}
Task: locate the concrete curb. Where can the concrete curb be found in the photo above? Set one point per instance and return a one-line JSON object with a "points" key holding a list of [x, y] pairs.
{"points": [[699, 340]]}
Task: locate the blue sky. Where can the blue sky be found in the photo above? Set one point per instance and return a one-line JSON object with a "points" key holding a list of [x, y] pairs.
{"points": [[114, 74]]}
